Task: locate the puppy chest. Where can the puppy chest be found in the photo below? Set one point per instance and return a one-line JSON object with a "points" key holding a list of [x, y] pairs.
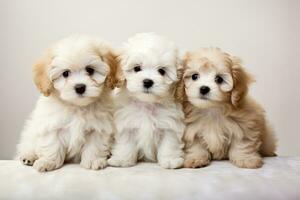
{"points": [[146, 124], [149, 128], [141, 116], [214, 130], [74, 134]]}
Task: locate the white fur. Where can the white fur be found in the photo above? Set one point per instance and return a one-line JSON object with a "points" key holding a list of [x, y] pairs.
{"points": [[149, 122], [66, 126]]}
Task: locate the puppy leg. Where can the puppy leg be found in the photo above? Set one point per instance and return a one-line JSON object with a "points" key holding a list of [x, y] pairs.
{"points": [[26, 153], [269, 141], [26, 148], [244, 153], [196, 155], [125, 151], [170, 153], [51, 153], [28, 158], [95, 151]]}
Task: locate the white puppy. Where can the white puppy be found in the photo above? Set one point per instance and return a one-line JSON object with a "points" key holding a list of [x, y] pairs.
{"points": [[73, 120], [149, 122]]}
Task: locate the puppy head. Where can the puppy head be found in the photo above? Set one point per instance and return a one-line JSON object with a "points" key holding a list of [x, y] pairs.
{"points": [[77, 70], [212, 77], [148, 67]]}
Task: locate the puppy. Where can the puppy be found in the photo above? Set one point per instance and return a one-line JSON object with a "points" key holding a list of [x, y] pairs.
{"points": [[73, 118], [148, 120], [222, 121]]}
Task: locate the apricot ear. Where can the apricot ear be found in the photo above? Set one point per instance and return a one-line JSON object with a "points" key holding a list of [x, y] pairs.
{"points": [[241, 82], [180, 94], [40, 75], [111, 59], [120, 79]]}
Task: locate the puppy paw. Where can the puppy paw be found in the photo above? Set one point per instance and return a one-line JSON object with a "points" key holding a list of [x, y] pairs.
{"points": [[28, 159], [171, 163], [195, 162], [252, 163], [43, 165], [116, 162], [98, 163]]}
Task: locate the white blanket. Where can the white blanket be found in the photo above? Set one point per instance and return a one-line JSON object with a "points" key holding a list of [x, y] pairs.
{"points": [[279, 178]]}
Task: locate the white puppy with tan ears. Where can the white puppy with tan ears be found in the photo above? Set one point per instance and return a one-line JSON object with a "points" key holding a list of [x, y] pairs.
{"points": [[148, 120], [73, 118], [222, 121]]}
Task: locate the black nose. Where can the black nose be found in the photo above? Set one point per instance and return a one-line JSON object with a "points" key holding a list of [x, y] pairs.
{"points": [[80, 88], [204, 90], [148, 83]]}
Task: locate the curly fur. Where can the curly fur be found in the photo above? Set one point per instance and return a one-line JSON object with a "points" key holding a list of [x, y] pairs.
{"points": [[149, 122], [226, 123], [67, 126]]}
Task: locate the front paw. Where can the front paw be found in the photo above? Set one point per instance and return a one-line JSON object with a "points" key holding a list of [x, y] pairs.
{"points": [[252, 162], [117, 162], [171, 163], [43, 165], [196, 162], [28, 159], [95, 164]]}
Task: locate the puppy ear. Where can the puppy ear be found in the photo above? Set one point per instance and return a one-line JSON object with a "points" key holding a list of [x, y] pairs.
{"points": [[40, 75], [120, 79], [241, 81], [180, 94], [111, 59], [110, 56]]}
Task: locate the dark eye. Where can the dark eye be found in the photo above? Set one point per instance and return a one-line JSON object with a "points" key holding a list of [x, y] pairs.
{"points": [[161, 71], [89, 70], [195, 76], [66, 73], [137, 68], [219, 79]]}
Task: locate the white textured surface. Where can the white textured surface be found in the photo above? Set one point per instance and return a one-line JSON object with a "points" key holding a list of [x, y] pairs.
{"points": [[278, 179]]}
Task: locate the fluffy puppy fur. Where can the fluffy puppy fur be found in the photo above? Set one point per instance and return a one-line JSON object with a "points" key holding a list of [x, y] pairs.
{"points": [[73, 118], [149, 122], [222, 121]]}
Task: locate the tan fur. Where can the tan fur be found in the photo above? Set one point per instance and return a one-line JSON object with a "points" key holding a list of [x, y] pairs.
{"points": [[86, 135], [119, 76], [234, 128], [241, 80], [44, 84], [180, 94], [111, 59], [40, 76]]}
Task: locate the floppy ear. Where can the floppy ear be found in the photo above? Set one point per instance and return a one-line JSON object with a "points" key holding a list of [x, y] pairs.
{"points": [[40, 75], [180, 88], [180, 94], [241, 81], [120, 79], [111, 59]]}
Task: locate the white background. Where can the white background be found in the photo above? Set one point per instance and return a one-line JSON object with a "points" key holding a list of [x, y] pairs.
{"points": [[264, 33]]}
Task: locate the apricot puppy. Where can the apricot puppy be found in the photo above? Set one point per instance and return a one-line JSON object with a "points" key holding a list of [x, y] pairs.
{"points": [[222, 121]]}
